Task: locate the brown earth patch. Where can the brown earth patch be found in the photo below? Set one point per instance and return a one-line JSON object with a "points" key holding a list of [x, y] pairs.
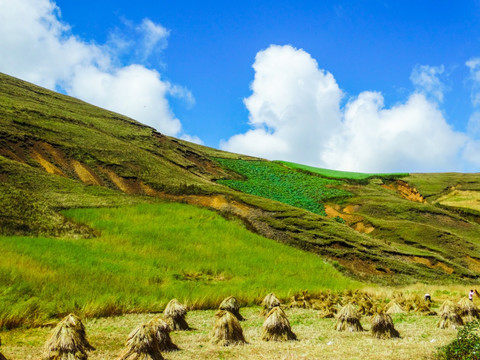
{"points": [[362, 228], [86, 174], [350, 209], [56, 154], [356, 222], [431, 264], [47, 165], [406, 191], [129, 186], [473, 264]]}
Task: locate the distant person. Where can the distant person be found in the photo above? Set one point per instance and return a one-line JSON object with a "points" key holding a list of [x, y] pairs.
{"points": [[470, 295], [427, 297]]}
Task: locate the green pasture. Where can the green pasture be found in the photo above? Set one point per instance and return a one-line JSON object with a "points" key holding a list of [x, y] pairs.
{"points": [[145, 256], [273, 181], [337, 174]]}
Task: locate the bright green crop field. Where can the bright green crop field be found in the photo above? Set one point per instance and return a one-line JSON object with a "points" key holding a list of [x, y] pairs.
{"points": [[145, 256], [274, 181], [336, 174]]}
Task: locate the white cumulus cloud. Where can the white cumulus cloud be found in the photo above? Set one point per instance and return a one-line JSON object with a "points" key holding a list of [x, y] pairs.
{"points": [[293, 107], [296, 115], [427, 80], [38, 47]]}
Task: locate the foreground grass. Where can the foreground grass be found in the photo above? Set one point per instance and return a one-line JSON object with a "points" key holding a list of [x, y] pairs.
{"points": [[317, 339], [146, 255]]}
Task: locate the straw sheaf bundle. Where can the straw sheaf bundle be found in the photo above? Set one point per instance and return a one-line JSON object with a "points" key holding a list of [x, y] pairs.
{"points": [[175, 314], [68, 341], [227, 329], [394, 308], [348, 319], [468, 309], [1, 355], [269, 302], [424, 309], [450, 317], [277, 327], [142, 344], [301, 301], [382, 327], [231, 304], [162, 330]]}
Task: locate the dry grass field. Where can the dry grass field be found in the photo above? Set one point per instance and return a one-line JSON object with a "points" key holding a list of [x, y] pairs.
{"points": [[317, 338]]}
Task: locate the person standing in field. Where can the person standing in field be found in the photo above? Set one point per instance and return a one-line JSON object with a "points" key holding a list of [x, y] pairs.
{"points": [[470, 295]]}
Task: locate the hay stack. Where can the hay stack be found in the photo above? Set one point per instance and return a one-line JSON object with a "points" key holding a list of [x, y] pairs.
{"points": [[162, 332], [68, 340], [424, 309], [277, 327], [231, 304], [1, 355], [382, 327], [394, 308], [301, 301], [175, 314], [348, 319], [468, 309], [269, 302], [227, 329], [142, 344], [450, 317]]}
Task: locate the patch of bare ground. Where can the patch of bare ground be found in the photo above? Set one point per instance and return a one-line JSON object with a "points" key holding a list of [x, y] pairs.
{"points": [[356, 222], [406, 191], [317, 338], [432, 264]]}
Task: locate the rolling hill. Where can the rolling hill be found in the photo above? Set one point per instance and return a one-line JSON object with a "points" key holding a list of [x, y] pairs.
{"points": [[58, 153]]}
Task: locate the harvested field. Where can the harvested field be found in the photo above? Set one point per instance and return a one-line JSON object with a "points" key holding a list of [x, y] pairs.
{"points": [[316, 338]]}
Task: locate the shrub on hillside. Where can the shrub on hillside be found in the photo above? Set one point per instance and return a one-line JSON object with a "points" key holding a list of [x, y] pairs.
{"points": [[465, 347]]}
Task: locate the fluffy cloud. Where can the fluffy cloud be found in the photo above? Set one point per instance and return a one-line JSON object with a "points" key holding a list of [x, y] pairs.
{"points": [[295, 114], [426, 80], [38, 47], [293, 108], [412, 136], [474, 66]]}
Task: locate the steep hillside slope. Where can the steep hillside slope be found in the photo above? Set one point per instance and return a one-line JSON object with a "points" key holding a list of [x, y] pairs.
{"points": [[57, 152]]}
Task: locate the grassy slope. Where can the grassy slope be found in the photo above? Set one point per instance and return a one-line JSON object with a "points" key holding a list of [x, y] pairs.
{"points": [[54, 149], [147, 255], [336, 174]]}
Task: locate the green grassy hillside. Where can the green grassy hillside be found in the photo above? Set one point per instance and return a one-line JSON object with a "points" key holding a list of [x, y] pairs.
{"points": [[145, 256], [58, 153]]}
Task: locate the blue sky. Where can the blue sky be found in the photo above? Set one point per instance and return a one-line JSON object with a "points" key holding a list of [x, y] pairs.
{"points": [[367, 53]]}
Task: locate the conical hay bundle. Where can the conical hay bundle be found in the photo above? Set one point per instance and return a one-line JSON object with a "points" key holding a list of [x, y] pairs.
{"points": [[468, 309], [162, 331], [231, 304], [348, 319], [450, 319], [269, 302], [1, 355], [382, 327], [394, 308], [175, 313], [277, 327], [142, 344], [424, 309], [68, 340], [447, 306], [227, 329]]}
